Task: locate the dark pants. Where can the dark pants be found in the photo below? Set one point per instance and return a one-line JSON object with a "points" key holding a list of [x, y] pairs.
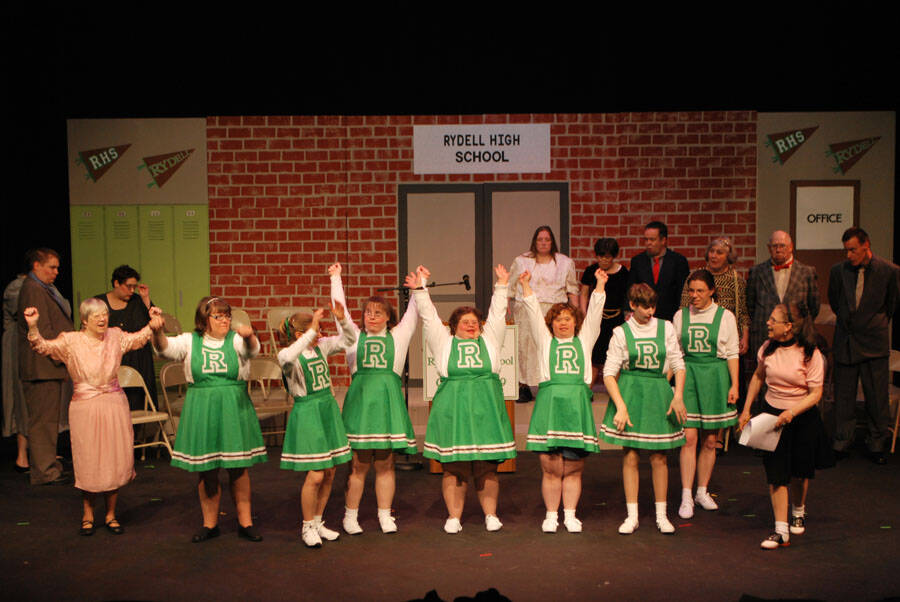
{"points": [[43, 400], [874, 375]]}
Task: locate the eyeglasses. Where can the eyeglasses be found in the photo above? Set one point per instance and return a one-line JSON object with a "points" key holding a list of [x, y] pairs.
{"points": [[374, 313], [774, 321], [220, 317]]}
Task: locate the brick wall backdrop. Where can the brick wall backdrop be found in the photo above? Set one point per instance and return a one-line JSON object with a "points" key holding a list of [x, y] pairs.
{"points": [[289, 195]]}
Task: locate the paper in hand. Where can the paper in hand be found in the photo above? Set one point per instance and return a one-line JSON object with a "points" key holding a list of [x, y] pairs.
{"points": [[760, 432]]}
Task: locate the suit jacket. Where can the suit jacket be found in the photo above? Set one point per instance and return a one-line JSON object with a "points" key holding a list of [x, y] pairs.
{"points": [[762, 296], [673, 272], [863, 332], [52, 321]]}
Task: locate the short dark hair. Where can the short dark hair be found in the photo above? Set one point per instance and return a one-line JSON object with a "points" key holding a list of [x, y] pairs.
{"points": [[385, 306], [703, 275], [606, 246], [123, 273], [459, 312], [39, 255], [207, 307], [657, 225], [857, 233]]}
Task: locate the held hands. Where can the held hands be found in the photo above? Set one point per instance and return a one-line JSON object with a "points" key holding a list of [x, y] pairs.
{"points": [[31, 316], [337, 309], [334, 269], [502, 274], [412, 281], [423, 274], [677, 406], [157, 322], [621, 420]]}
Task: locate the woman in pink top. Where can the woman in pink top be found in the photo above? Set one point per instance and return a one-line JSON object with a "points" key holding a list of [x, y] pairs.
{"points": [[794, 372], [99, 417]]}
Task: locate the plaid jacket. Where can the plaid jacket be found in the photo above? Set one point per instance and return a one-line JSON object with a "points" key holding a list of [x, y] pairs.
{"points": [[762, 297]]}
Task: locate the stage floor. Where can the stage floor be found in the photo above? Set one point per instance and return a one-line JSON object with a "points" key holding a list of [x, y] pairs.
{"points": [[850, 551]]}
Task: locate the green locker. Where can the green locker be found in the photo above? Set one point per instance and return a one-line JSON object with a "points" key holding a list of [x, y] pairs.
{"points": [[191, 259], [157, 253], [122, 245], [89, 270]]}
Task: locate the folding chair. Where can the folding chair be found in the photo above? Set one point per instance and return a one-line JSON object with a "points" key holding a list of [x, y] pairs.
{"points": [[266, 373], [173, 383], [274, 319], [129, 377]]}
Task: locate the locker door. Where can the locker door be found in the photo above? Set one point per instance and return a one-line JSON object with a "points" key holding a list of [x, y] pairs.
{"points": [[89, 272], [121, 238], [156, 248], [191, 259]]}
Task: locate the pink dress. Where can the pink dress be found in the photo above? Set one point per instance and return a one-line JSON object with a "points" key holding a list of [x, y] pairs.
{"points": [[99, 417]]}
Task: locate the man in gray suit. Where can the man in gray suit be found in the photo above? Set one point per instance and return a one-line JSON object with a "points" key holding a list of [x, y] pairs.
{"points": [[42, 377], [781, 279], [863, 292]]}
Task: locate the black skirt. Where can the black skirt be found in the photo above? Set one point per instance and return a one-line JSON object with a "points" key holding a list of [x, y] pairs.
{"points": [[803, 448]]}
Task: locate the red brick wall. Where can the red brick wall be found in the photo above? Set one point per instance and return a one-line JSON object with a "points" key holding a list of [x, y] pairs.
{"points": [[289, 195]]}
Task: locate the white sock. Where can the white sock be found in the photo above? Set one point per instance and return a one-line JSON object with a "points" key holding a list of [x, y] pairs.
{"points": [[568, 513], [798, 510], [309, 522], [686, 494], [351, 512], [700, 491], [553, 515], [382, 512], [317, 519], [783, 530], [632, 510], [660, 510]]}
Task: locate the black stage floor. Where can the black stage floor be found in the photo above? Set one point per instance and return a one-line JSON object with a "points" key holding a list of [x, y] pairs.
{"points": [[851, 550]]}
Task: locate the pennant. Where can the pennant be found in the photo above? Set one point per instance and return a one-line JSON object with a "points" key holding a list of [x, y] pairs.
{"points": [[98, 161], [163, 167], [785, 144], [846, 154]]}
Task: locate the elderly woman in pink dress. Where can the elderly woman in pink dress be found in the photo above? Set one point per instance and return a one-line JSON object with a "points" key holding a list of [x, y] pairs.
{"points": [[99, 418]]}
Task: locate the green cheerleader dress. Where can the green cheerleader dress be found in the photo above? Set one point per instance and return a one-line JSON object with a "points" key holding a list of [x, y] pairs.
{"points": [[647, 396], [375, 414], [468, 419], [707, 379], [218, 426], [315, 438], [562, 415]]}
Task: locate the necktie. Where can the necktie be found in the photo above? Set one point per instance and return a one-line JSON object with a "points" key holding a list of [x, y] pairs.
{"points": [[860, 282], [656, 270]]}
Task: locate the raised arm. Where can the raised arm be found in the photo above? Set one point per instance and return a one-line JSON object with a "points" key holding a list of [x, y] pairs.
{"points": [[436, 334], [56, 348], [293, 351], [136, 340], [590, 328], [495, 325]]}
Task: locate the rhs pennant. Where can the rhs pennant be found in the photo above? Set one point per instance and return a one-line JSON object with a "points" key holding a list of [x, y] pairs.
{"points": [[846, 154], [98, 161], [785, 144], [163, 167]]}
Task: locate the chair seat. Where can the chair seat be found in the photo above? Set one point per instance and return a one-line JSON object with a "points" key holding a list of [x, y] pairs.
{"points": [[145, 416]]}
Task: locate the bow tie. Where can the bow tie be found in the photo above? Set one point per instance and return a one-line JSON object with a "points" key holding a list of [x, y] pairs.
{"points": [[783, 266]]}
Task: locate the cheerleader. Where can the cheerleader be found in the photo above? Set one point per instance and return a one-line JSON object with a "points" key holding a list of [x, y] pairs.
{"points": [[218, 426], [315, 440], [468, 428], [710, 342], [374, 413], [645, 414], [562, 425]]}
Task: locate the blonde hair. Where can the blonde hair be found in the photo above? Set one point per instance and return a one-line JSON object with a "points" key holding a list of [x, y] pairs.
{"points": [[299, 322]]}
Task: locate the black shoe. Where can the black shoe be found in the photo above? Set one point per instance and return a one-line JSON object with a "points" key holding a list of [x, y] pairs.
{"points": [[114, 527], [878, 458], [525, 394], [204, 534], [87, 528], [774, 541], [22, 469], [249, 533]]}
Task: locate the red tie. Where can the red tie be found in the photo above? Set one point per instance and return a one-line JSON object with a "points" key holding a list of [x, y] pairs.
{"points": [[656, 270]]}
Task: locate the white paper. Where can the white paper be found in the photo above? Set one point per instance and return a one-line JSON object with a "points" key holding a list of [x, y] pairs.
{"points": [[760, 432]]}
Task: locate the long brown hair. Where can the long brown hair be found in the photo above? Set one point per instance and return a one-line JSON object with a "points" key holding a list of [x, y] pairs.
{"points": [[532, 252]]}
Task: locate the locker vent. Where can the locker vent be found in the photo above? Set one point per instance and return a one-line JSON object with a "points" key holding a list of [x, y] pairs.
{"points": [[87, 231], [156, 229], [121, 229], [191, 230]]}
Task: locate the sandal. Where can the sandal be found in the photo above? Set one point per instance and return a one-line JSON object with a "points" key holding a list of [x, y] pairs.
{"points": [[87, 528], [114, 527]]}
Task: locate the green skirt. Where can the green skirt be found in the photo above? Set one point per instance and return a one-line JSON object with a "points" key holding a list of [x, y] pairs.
{"points": [[315, 438], [375, 415], [468, 421], [562, 417], [647, 400], [706, 395], [218, 429]]}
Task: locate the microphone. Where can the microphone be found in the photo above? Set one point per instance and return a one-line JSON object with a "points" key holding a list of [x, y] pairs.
{"points": [[466, 282]]}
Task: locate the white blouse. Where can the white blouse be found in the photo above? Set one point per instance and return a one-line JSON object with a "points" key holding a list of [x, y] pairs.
{"points": [[551, 281], [728, 341], [179, 348], [306, 346], [617, 355]]}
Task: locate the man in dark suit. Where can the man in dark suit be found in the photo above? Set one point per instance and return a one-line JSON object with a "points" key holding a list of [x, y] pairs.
{"points": [[863, 292], [660, 267], [43, 378], [780, 279]]}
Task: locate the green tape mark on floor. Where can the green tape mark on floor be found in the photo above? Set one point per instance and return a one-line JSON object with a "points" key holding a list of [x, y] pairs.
{"points": [[885, 527], [749, 516], [25, 523]]}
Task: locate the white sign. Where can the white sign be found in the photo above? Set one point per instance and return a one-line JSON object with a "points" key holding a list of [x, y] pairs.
{"points": [[501, 148], [508, 358], [823, 213]]}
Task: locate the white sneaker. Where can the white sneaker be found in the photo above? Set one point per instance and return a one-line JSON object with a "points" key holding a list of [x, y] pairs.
{"points": [[326, 533], [629, 526], [452, 526], [549, 525], [388, 524], [706, 502], [310, 536], [573, 525], [664, 526], [351, 525], [492, 523], [686, 510]]}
